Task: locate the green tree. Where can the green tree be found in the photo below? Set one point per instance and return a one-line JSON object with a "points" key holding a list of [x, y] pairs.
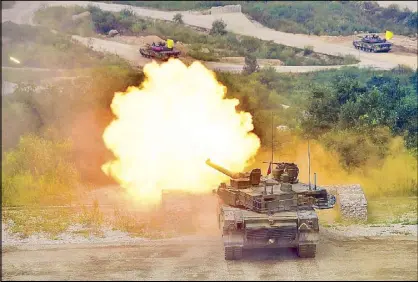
{"points": [[251, 44], [178, 18], [218, 28], [251, 64]]}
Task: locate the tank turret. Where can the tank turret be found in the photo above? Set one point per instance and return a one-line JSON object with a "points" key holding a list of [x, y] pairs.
{"points": [[372, 43], [291, 169]]}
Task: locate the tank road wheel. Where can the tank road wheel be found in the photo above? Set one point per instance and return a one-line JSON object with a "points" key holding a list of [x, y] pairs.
{"points": [[229, 253], [238, 253], [307, 251]]}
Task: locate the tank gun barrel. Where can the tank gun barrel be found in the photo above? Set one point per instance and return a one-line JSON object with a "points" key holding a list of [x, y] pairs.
{"points": [[221, 169]]}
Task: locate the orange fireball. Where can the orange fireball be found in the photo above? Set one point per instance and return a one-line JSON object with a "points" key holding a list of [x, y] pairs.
{"points": [[166, 129]]}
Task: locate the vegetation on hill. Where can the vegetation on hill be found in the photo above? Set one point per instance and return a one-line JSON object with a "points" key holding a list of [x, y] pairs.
{"points": [[353, 113], [332, 17], [40, 48], [207, 46], [174, 5], [54, 134], [310, 17]]}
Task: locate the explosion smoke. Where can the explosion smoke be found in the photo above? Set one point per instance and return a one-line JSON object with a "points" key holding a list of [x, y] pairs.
{"points": [[166, 129]]}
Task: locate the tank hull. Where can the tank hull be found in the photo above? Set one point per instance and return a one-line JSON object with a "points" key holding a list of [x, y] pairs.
{"points": [[372, 47], [161, 55], [244, 229]]}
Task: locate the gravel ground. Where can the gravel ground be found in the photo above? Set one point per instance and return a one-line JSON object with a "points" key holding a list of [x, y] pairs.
{"points": [[371, 231], [108, 235], [202, 258]]}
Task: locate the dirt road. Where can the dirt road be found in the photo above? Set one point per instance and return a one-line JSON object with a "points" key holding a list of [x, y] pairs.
{"points": [[23, 11], [201, 258]]}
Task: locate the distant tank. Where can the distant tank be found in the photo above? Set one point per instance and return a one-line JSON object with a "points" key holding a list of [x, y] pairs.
{"points": [[372, 43], [162, 50], [256, 212]]}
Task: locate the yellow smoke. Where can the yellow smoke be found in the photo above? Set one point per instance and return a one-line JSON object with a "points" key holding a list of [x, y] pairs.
{"points": [[166, 129], [396, 174]]}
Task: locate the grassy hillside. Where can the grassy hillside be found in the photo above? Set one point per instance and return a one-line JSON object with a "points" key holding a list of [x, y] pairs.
{"points": [[40, 48], [201, 45], [362, 117], [310, 17]]}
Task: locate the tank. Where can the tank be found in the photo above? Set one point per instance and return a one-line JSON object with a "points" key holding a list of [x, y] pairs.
{"points": [[161, 51], [257, 212], [372, 43]]}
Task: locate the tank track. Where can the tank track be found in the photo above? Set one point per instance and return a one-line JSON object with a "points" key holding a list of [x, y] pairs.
{"points": [[307, 251], [233, 253]]}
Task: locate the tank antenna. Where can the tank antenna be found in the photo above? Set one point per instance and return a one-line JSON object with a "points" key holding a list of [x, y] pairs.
{"points": [[309, 165]]}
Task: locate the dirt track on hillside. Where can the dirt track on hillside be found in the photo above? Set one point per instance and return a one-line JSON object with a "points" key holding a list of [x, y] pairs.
{"points": [[22, 12]]}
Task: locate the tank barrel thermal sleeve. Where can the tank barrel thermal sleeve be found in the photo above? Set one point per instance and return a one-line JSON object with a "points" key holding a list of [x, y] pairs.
{"points": [[220, 169]]}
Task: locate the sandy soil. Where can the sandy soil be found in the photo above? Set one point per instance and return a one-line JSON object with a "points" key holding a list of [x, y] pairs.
{"points": [[201, 258], [241, 61], [22, 12]]}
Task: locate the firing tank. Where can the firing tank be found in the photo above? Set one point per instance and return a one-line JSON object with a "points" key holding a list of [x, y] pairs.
{"points": [[161, 50], [256, 212], [372, 43]]}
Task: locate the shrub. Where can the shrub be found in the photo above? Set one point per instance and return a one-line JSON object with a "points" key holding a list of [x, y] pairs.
{"points": [[178, 18], [37, 172], [218, 28], [307, 50], [251, 65]]}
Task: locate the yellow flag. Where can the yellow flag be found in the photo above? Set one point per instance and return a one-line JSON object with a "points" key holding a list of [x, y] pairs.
{"points": [[389, 34]]}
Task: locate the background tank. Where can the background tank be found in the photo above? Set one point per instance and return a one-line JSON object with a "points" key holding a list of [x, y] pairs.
{"points": [[256, 212], [372, 43], [160, 50]]}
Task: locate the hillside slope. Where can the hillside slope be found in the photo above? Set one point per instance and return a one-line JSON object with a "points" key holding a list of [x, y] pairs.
{"points": [[312, 17]]}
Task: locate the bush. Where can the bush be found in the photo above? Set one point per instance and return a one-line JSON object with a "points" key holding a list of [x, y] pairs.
{"points": [[198, 55], [332, 17], [18, 116], [178, 18], [218, 28], [251, 65], [38, 172], [104, 21], [355, 149], [307, 50]]}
